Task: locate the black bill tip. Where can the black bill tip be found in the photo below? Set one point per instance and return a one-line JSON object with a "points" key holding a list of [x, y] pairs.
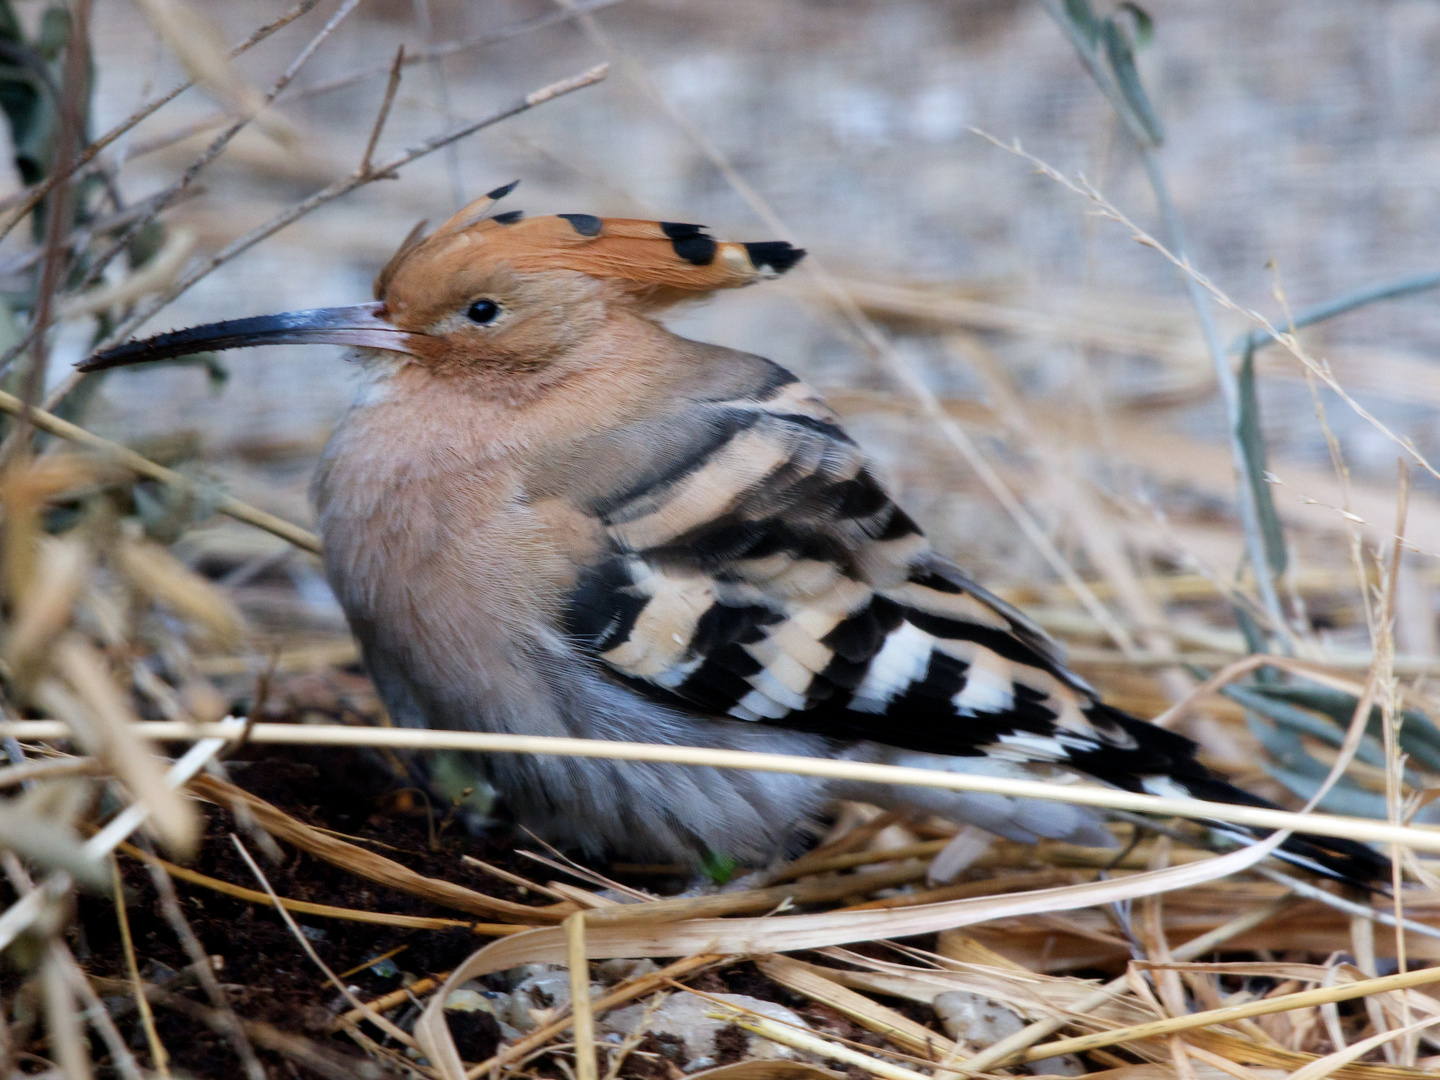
{"points": [[212, 337], [362, 324]]}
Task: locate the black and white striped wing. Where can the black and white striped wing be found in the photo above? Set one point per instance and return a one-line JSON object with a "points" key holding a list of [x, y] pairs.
{"points": [[764, 574]]}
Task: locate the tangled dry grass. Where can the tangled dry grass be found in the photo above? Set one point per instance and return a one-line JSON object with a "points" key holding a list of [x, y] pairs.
{"points": [[217, 860]]}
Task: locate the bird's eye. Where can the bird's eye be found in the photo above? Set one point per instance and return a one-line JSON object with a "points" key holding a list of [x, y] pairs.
{"points": [[483, 311]]}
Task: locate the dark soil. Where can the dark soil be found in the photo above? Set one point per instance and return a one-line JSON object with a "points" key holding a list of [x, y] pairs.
{"points": [[265, 975]]}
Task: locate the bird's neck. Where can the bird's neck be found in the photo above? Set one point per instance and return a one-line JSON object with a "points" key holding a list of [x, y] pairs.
{"points": [[426, 469]]}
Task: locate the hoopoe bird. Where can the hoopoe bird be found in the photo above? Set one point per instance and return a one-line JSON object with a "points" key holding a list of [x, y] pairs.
{"points": [[546, 514]]}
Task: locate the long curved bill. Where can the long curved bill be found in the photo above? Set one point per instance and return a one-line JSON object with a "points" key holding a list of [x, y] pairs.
{"points": [[361, 324]]}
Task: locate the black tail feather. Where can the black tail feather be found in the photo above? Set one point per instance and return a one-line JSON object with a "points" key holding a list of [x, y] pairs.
{"points": [[1162, 753], [1336, 857]]}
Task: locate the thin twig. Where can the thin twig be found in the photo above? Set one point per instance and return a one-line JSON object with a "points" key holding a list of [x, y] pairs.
{"points": [[99, 1018], [223, 140], [311, 1055], [384, 114], [62, 1020], [375, 1018], [234, 1031], [349, 184], [444, 49], [178, 188]]}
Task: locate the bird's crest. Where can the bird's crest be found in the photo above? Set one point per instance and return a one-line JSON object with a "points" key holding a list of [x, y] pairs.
{"points": [[657, 262]]}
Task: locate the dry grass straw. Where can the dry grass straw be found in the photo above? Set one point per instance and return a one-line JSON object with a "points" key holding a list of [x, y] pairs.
{"points": [[582, 1020], [305, 907], [368, 864], [158, 1054], [899, 1029], [142, 467], [1418, 837], [382, 1022]]}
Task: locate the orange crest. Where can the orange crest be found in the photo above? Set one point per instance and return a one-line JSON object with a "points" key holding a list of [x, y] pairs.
{"points": [[657, 262]]}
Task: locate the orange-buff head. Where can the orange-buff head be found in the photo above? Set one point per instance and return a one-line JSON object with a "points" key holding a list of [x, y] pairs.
{"points": [[498, 290]]}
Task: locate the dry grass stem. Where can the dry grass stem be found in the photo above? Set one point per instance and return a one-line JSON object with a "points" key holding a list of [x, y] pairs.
{"points": [[582, 1020], [1303, 1000], [1420, 838], [812, 982], [823, 1048], [358, 860], [141, 466], [158, 1054], [375, 1018], [326, 911]]}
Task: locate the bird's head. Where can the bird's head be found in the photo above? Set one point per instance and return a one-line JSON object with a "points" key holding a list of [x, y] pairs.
{"points": [[497, 291]]}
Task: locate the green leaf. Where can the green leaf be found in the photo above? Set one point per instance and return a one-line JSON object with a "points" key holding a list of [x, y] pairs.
{"points": [[1303, 722], [718, 868], [1302, 774], [32, 118], [1143, 32], [1418, 736], [54, 32], [455, 778], [1343, 798], [1254, 638], [1082, 15], [1281, 744], [1122, 62], [10, 331], [146, 243], [1252, 440]]}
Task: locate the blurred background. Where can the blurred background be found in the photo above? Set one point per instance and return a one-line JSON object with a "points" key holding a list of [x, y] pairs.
{"points": [[1301, 145], [1300, 141]]}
